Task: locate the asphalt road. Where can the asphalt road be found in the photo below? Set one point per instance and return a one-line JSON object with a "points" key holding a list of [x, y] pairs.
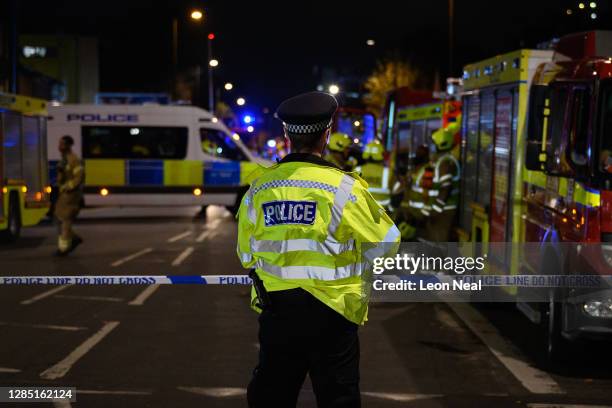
{"points": [[195, 345]]}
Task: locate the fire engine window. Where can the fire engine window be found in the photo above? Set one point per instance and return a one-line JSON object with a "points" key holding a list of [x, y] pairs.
{"points": [[32, 146], [11, 123], [218, 144], [485, 149], [580, 126], [470, 155], [556, 161], [129, 142], [605, 155]]}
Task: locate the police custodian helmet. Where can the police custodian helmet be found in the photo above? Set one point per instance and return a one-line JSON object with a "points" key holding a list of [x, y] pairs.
{"points": [[307, 113]]}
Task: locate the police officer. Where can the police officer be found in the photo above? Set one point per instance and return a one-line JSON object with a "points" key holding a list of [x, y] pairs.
{"points": [[337, 151], [70, 178], [444, 192], [375, 173], [301, 226]]}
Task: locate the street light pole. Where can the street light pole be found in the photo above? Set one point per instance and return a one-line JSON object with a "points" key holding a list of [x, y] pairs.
{"points": [[211, 97]]}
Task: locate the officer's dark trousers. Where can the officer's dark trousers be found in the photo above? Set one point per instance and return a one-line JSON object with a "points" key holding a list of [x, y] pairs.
{"points": [[301, 335]]}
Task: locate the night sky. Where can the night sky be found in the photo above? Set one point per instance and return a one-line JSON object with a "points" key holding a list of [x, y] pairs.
{"points": [[271, 50]]}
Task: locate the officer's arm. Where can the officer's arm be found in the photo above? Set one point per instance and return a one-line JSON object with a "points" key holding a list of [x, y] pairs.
{"points": [[245, 232], [369, 224]]}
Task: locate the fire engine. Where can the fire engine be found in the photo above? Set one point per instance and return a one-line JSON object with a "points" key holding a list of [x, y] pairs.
{"points": [[537, 167], [24, 189]]}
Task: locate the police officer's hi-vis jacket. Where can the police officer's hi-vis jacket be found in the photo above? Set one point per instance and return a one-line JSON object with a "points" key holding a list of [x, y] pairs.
{"points": [[302, 224]]}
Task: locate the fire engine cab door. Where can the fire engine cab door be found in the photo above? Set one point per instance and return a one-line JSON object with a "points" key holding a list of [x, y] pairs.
{"points": [[505, 131]]}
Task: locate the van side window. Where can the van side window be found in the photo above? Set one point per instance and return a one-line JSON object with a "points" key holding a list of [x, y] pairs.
{"points": [[579, 129], [218, 144], [130, 142]]}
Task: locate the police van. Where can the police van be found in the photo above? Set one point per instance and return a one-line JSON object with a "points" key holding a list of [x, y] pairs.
{"points": [[137, 155]]}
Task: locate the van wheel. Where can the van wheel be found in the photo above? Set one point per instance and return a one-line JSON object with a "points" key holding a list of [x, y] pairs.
{"points": [[13, 228], [239, 194]]}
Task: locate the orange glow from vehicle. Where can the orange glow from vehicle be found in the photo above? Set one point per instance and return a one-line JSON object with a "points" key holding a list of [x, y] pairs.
{"points": [[38, 196], [103, 192], [197, 192]]}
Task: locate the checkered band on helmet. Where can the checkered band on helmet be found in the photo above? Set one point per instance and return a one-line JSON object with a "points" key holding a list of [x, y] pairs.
{"points": [[310, 128]]}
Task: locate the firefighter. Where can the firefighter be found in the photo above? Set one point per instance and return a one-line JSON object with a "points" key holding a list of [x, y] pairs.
{"points": [[70, 179], [376, 173], [301, 226], [415, 208], [337, 151], [444, 192]]}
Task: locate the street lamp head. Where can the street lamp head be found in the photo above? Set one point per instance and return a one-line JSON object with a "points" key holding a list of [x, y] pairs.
{"points": [[213, 63], [196, 15], [228, 86], [240, 101], [334, 89]]}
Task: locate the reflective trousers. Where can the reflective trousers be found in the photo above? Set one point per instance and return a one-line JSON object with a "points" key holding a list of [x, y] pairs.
{"points": [[300, 335]]}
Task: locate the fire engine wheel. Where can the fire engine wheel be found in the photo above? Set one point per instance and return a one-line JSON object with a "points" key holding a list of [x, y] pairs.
{"points": [[555, 345], [13, 229]]}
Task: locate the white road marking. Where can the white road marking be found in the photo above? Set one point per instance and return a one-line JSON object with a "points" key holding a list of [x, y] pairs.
{"points": [[203, 235], [179, 236], [535, 380], [401, 397], [96, 298], [182, 256], [209, 230], [43, 326], [130, 257], [113, 392], [60, 369], [62, 404], [219, 392], [144, 295], [9, 370], [538, 405], [44, 295]]}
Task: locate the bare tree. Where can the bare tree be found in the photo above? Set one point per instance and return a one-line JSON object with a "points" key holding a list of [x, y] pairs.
{"points": [[387, 76]]}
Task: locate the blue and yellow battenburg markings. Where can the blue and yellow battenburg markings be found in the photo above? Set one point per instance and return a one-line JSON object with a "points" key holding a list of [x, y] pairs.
{"points": [[128, 280], [118, 172], [289, 212]]}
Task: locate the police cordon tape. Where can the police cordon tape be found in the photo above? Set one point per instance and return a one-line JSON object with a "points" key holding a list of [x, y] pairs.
{"points": [[128, 280], [583, 281]]}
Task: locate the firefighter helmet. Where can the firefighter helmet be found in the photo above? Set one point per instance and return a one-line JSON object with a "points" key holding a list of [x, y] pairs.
{"points": [[373, 151], [444, 139], [338, 142]]}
